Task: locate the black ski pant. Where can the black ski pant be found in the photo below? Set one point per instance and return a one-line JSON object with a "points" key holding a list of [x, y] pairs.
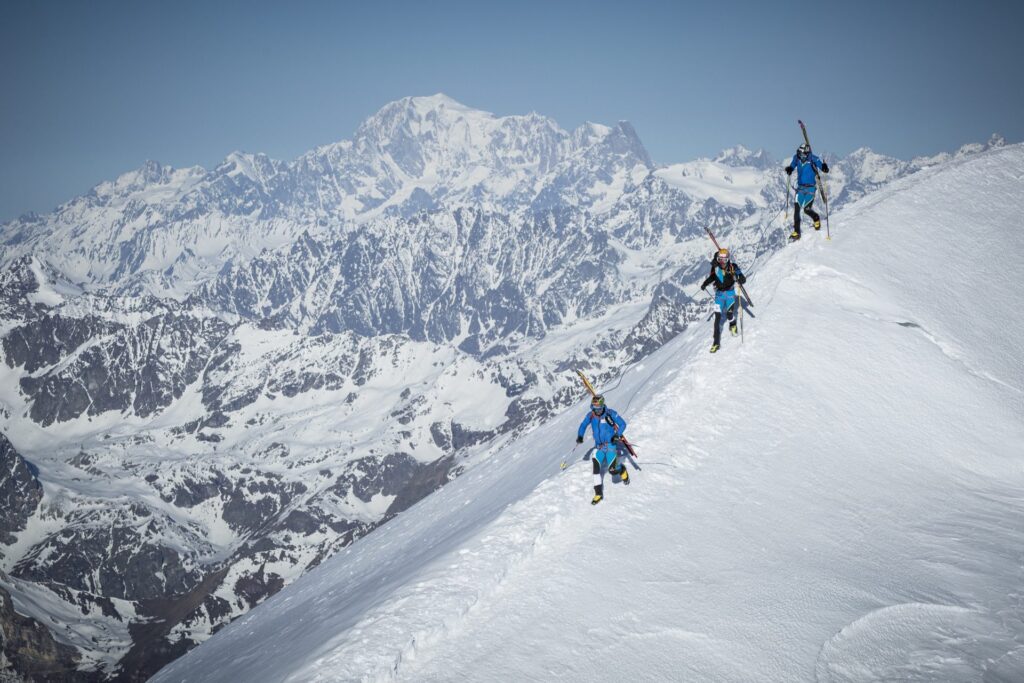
{"points": [[808, 210], [730, 315]]}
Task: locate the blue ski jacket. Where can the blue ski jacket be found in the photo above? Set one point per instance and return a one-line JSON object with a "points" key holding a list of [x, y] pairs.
{"points": [[599, 426], [805, 170]]}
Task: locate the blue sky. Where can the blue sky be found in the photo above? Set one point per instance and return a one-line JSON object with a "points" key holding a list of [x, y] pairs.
{"points": [[91, 90]]}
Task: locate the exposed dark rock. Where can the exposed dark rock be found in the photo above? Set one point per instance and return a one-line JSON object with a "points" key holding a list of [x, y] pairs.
{"points": [[254, 588], [442, 435], [20, 491], [141, 369], [45, 340], [189, 493], [118, 560], [32, 651], [463, 437], [301, 522], [255, 502]]}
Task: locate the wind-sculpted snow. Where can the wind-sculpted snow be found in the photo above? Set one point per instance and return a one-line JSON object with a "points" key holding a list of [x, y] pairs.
{"points": [[835, 498]]}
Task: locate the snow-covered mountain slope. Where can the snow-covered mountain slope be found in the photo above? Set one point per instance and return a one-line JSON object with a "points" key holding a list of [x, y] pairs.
{"points": [[218, 379], [836, 498], [165, 230], [196, 454]]}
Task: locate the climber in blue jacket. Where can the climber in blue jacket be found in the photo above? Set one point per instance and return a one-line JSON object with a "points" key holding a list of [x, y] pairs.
{"points": [[607, 427], [806, 166]]}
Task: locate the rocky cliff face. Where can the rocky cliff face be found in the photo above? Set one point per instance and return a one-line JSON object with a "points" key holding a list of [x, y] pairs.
{"points": [[20, 492]]}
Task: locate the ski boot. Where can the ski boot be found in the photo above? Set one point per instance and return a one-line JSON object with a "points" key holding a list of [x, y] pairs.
{"points": [[596, 499], [794, 236], [734, 329], [625, 475], [714, 348], [817, 225]]}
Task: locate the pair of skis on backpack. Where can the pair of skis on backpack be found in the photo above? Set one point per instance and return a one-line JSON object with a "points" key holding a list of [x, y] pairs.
{"points": [[804, 199], [608, 418], [729, 278]]}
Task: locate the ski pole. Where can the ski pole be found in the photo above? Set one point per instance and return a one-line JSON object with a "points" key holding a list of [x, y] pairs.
{"points": [[788, 178], [824, 197], [564, 465], [739, 305]]}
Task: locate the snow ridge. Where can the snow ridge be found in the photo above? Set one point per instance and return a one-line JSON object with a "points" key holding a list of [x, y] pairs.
{"points": [[875, 540]]}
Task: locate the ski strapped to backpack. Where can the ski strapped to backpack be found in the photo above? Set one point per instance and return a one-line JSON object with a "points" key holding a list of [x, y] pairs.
{"points": [[607, 417], [750, 302], [786, 218], [821, 182]]}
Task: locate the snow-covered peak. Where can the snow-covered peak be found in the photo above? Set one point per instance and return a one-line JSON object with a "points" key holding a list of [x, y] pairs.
{"points": [[439, 102], [995, 141], [437, 117], [741, 156], [871, 167], [255, 167], [623, 140], [589, 134], [150, 173], [236, 162]]}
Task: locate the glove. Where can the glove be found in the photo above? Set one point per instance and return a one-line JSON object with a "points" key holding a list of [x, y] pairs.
{"points": [[789, 170], [579, 439], [741, 278], [824, 167], [616, 439], [704, 288]]}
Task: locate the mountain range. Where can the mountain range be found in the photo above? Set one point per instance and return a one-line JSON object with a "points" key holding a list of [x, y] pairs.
{"points": [[214, 380]]}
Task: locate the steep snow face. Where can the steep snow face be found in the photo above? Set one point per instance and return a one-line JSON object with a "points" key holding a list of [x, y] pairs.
{"points": [[835, 497]]}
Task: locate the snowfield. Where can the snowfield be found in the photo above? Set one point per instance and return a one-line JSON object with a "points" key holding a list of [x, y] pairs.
{"points": [[836, 498]]}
